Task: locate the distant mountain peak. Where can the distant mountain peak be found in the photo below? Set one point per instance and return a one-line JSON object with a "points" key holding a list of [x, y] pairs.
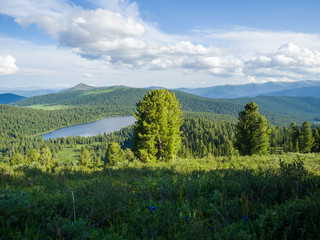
{"points": [[81, 87]]}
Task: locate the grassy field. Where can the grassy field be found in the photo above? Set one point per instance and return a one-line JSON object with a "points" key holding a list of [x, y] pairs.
{"points": [[69, 153], [268, 197], [48, 107]]}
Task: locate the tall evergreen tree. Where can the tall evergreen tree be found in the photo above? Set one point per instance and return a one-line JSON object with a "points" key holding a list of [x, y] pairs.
{"points": [[294, 133], [85, 158], [306, 139], [316, 136], [252, 131], [115, 153], [45, 156], [157, 129]]}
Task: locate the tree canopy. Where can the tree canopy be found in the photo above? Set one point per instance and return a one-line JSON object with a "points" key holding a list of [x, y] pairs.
{"points": [[252, 131], [157, 130]]}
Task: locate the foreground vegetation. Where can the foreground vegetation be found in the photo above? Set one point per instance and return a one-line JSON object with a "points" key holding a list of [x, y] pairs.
{"points": [[258, 197]]}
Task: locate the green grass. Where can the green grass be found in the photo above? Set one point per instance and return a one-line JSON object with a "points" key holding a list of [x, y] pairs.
{"points": [[49, 107], [69, 153], [98, 91], [211, 198]]}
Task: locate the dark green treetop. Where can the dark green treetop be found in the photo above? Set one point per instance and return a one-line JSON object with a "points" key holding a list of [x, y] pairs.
{"points": [[306, 138], [157, 129], [252, 131]]}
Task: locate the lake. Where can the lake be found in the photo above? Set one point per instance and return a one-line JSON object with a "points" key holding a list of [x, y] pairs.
{"points": [[106, 125]]}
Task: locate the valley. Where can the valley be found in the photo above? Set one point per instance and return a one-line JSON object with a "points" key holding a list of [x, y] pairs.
{"points": [[208, 191]]}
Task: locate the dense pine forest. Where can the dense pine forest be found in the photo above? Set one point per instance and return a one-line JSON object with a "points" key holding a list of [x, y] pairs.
{"points": [[98, 188]]}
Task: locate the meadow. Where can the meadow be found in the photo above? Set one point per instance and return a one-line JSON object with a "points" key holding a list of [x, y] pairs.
{"points": [[258, 197]]}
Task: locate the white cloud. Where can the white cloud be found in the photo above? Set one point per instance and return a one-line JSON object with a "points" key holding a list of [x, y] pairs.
{"points": [[8, 65], [115, 34], [287, 61]]}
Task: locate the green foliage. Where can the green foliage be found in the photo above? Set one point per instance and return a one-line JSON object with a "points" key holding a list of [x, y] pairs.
{"points": [[306, 139], [252, 131], [297, 219], [129, 154], [32, 156], [115, 154], [211, 198], [85, 158], [45, 156], [16, 159], [316, 136], [157, 129], [203, 137]]}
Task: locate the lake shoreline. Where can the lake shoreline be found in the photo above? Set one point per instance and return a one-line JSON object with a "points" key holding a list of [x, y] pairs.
{"points": [[84, 124]]}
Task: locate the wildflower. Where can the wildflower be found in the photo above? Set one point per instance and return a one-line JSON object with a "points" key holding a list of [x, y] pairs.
{"points": [[31, 181], [245, 218], [59, 175], [152, 209]]}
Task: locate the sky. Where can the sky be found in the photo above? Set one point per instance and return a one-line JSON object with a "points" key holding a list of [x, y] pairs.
{"points": [[167, 43]]}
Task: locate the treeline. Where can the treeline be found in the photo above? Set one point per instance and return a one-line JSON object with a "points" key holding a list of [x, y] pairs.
{"points": [[207, 135]]}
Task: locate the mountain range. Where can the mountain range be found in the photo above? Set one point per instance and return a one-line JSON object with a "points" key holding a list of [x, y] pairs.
{"points": [[291, 89], [279, 110]]}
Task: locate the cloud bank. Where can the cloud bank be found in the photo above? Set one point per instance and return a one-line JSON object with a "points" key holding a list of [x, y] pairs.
{"points": [[113, 32]]}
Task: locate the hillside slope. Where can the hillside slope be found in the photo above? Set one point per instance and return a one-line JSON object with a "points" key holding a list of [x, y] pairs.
{"points": [[7, 98], [125, 96], [279, 110]]}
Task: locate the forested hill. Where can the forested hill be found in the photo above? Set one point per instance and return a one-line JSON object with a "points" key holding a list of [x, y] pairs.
{"points": [[125, 96], [295, 106], [279, 110], [7, 98]]}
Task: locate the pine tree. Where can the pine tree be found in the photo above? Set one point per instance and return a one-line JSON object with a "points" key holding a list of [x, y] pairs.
{"points": [[85, 158], [252, 131], [157, 130], [45, 157], [316, 136], [32, 156], [306, 139], [294, 133], [115, 153], [16, 159]]}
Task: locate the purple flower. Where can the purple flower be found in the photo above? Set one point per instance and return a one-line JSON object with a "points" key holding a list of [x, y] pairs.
{"points": [[31, 181], [152, 209], [245, 218]]}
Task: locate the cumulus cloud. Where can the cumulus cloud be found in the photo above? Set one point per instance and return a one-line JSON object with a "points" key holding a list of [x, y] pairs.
{"points": [[114, 33], [8, 65], [287, 61]]}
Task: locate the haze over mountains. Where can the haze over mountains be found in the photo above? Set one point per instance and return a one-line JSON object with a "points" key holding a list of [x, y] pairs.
{"points": [[306, 88], [293, 89]]}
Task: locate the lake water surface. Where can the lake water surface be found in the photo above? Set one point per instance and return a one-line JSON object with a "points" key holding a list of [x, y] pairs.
{"points": [[106, 125]]}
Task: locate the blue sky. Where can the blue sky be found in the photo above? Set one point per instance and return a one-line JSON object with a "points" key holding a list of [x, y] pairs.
{"points": [[59, 43]]}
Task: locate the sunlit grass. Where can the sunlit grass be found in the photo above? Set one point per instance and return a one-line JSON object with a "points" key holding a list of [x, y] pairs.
{"points": [[49, 107]]}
